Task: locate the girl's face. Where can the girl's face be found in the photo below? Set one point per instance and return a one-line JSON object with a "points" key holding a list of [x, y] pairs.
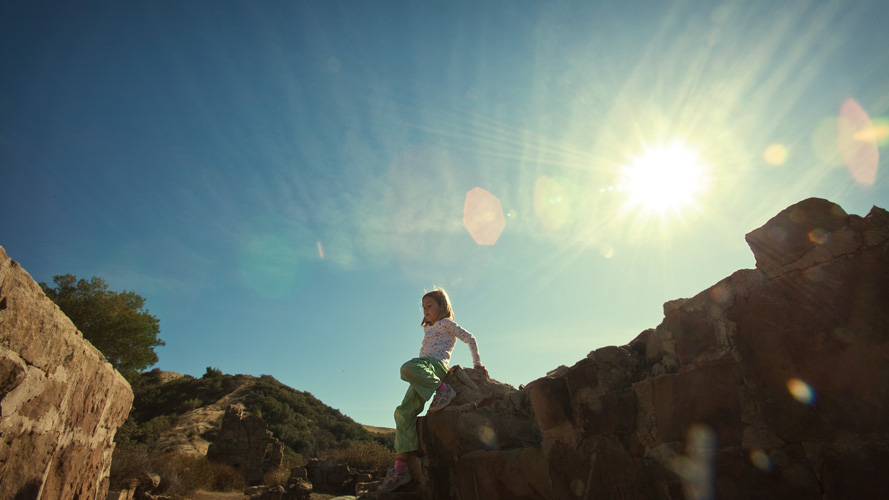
{"points": [[431, 310]]}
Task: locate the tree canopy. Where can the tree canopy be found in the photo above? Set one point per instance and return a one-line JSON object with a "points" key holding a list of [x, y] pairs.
{"points": [[114, 322]]}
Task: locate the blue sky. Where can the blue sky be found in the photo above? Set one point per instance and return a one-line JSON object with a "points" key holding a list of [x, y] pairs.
{"points": [[283, 180]]}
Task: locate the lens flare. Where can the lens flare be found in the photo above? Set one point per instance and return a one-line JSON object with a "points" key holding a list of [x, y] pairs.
{"points": [[819, 236], [721, 293], [857, 143], [760, 460], [778, 234], [696, 467], [801, 391], [798, 216], [577, 488], [815, 274], [776, 155], [878, 132], [483, 216], [554, 201], [270, 265], [487, 436]]}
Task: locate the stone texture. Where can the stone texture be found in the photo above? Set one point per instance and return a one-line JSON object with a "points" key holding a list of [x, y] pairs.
{"points": [[772, 383], [246, 443], [61, 402], [329, 477]]}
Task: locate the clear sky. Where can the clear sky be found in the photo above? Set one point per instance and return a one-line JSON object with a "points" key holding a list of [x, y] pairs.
{"points": [[282, 180]]}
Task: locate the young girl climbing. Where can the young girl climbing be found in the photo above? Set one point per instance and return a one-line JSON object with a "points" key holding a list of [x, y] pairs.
{"points": [[425, 375]]}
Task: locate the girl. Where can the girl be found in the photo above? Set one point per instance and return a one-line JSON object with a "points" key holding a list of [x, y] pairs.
{"points": [[425, 375]]}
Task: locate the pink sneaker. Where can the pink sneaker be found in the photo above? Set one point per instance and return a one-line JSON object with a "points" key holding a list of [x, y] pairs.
{"points": [[442, 399], [394, 479]]}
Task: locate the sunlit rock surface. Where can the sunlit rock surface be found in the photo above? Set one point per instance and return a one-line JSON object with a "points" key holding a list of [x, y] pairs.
{"points": [[773, 383], [61, 402]]}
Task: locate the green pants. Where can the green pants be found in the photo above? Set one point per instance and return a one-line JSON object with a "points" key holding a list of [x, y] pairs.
{"points": [[424, 375]]}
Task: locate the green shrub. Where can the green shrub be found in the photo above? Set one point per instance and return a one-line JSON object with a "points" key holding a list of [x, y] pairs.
{"points": [[189, 404], [300, 420], [305, 425]]}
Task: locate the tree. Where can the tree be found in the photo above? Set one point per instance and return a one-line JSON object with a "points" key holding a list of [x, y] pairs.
{"points": [[115, 323]]}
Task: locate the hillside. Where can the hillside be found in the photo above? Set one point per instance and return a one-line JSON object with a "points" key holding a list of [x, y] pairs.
{"points": [[180, 413]]}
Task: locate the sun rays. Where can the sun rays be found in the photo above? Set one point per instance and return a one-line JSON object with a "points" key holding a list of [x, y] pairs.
{"points": [[664, 180]]}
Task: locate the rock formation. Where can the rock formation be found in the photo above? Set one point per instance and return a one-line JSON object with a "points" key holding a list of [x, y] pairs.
{"points": [[246, 443], [188, 431], [773, 383], [61, 402]]}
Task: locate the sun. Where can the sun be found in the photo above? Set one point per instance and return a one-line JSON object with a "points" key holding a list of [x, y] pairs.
{"points": [[665, 179]]}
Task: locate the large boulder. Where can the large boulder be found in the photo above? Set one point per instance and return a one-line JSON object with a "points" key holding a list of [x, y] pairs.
{"points": [[772, 383], [246, 443], [61, 402]]}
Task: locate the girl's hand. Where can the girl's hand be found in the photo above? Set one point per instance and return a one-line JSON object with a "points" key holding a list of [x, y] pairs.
{"points": [[484, 370]]}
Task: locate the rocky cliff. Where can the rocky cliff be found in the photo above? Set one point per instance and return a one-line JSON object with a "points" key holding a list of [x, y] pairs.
{"points": [[772, 383], [61, 402]]}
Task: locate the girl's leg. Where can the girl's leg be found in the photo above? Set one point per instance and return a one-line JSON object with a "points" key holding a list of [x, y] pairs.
{"points": [[406, 438], [424, 376]]}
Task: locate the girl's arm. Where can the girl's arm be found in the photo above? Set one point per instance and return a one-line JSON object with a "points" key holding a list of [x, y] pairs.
{"points": [[458, 331]]}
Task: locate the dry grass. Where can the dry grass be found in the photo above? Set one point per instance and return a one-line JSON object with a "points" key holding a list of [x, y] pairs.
{"points": [[365, 455], [212, 495], [181, 474], [378, 430]]}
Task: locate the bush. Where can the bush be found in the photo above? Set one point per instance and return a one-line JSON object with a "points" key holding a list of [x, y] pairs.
{"points": [[189, 404], [181, 474], [129, 463], [300, 420], [279, 476]]}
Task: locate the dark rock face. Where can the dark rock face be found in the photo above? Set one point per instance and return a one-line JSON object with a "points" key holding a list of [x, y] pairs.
{"points": [[773, 383], [246, 443], [61, 402]]}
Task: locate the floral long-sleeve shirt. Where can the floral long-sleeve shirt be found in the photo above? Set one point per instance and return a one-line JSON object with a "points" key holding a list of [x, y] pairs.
{"points": [[441, 338]]}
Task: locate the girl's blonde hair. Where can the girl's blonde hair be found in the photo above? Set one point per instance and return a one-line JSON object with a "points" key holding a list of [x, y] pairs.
{"points": [[444, 302]]}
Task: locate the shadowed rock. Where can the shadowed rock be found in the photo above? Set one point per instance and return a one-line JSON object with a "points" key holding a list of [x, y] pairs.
{"points": [[246, 443], [772, 383]]}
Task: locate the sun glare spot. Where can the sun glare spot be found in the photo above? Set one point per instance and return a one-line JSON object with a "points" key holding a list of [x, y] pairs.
{"points": [[487, 436], [483, 216], [555, 201], [667, 178], [577, 488], [776, 155], [801, 391], [760, 459], [857, 140], [819, 236]]}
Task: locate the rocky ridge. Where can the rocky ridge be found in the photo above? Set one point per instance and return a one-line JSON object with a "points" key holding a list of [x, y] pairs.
{"points": [[772, 383]]}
